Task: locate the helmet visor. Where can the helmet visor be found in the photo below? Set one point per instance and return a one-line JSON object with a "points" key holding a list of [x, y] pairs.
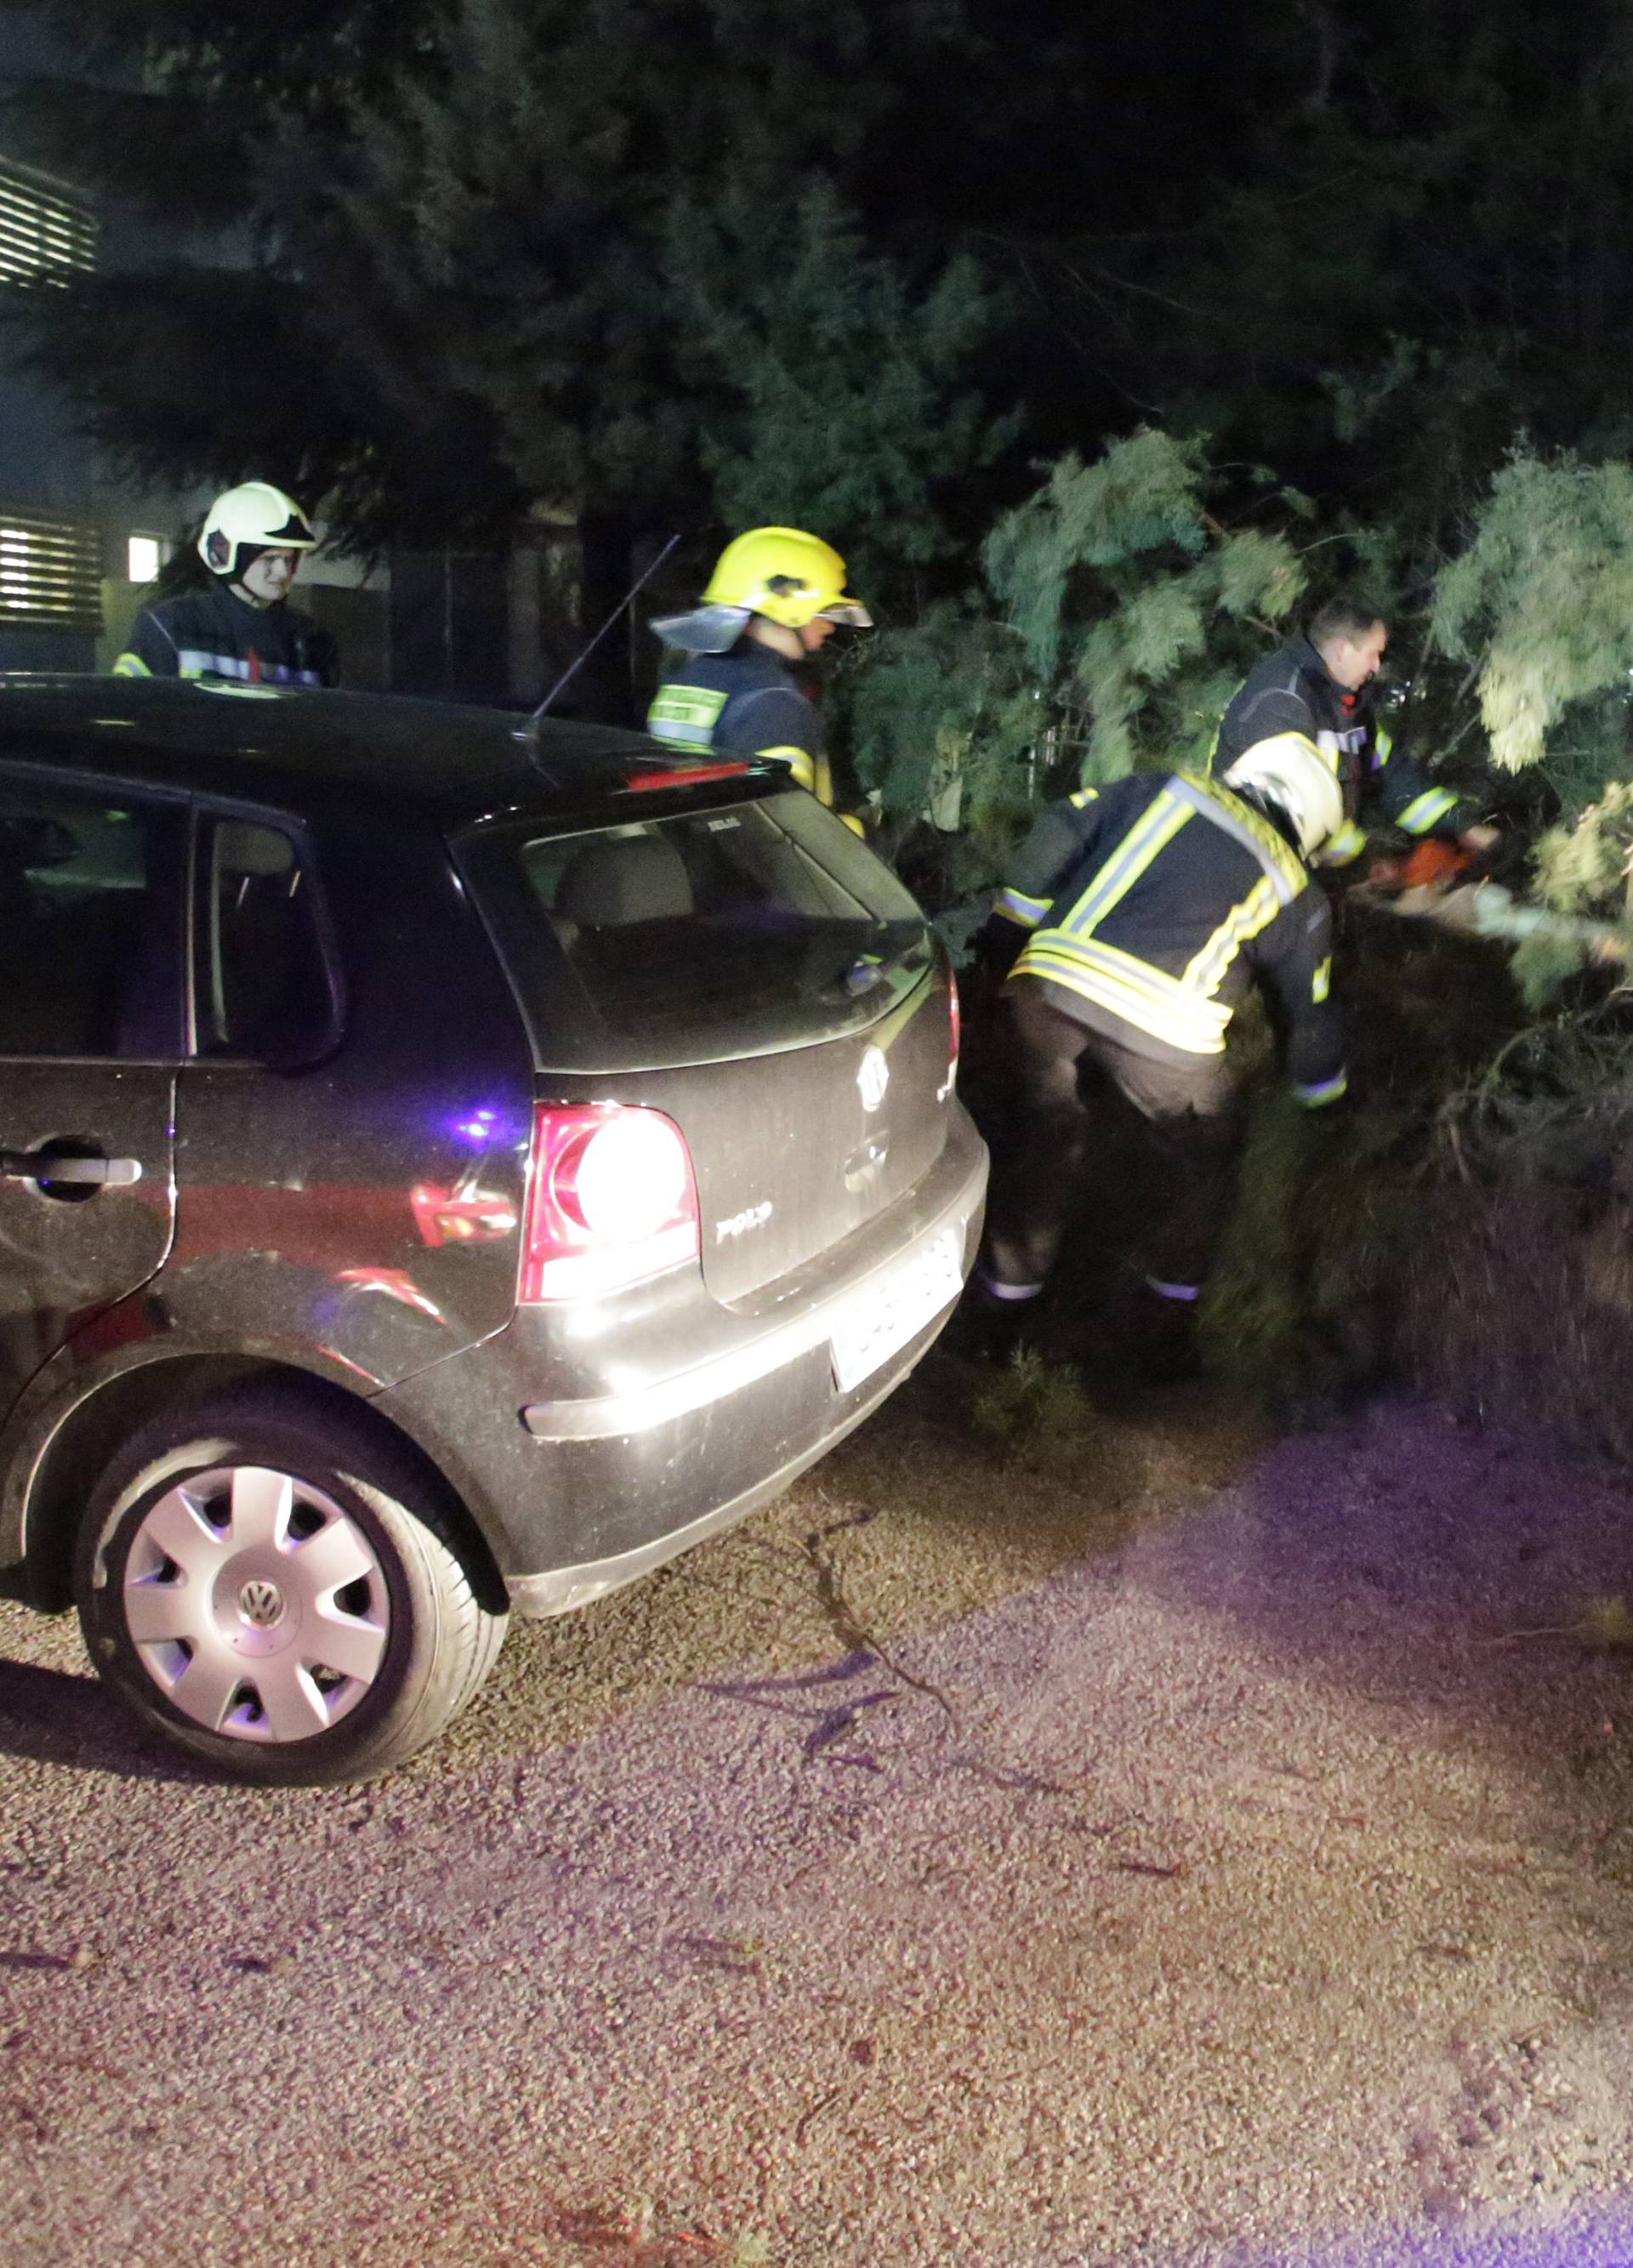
{"points": [[707, 629], [849, 614]]}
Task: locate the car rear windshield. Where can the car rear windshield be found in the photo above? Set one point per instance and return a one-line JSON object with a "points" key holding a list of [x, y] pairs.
{"points": [[735, 929]]}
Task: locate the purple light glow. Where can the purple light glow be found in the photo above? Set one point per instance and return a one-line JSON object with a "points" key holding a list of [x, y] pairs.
{"points": [[478, 1127]]}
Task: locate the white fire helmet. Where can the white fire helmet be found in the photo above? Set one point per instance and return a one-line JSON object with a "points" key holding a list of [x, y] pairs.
{"points": [[254, 514], [1288, 770]]}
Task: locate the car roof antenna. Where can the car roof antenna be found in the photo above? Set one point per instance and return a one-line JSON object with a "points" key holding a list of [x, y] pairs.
{"points": [[530, 731]]}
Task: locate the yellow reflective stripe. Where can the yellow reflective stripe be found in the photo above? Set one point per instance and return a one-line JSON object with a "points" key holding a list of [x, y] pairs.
{"points": [[1426, 810], [1349, 842], [1383, 745], [1256, 910], [822, 787], [1084, 798], [1320, 1091], [1147, 997], [1321, 983], [798, 761], [1015, 906], [1250, 828], [1151, 833], [131, 664], [684, 716]]}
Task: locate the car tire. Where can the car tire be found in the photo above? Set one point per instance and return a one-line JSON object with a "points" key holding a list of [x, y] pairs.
{"points": [[279, 1591]]}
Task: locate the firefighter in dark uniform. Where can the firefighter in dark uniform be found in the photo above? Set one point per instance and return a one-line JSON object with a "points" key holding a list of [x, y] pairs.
{"points": [[1136, 916], [775, 596], [1316, 688], [238, 627]]}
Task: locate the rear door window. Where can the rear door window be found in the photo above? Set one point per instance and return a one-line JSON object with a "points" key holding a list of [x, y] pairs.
{"points": [[264, 982], [732, 930]]}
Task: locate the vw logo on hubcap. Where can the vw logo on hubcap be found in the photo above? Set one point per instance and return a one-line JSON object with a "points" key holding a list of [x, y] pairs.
{"points": [[260, 1604], [873, 1078]]}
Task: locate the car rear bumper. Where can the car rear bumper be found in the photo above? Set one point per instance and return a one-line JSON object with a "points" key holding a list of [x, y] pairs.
{"points": [[582, 1494], [560, 1590], [718, 1440], [616, 1417]]}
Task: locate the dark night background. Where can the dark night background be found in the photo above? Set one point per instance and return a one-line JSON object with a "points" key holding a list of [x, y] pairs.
{"points": [[454, 263], [495, 282]]}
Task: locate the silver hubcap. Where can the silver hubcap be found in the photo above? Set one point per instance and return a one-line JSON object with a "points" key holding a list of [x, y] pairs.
{"points": [[257, 1604]]}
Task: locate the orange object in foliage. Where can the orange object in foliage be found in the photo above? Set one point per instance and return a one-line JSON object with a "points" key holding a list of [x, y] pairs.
{"points": [[1434, 865]]}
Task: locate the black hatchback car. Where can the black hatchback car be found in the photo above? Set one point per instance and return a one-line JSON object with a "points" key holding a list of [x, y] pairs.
{"points": [[446, 1169]]}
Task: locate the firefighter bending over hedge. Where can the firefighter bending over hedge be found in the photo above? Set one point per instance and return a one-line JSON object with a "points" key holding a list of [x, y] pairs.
{"points": [[1136, 916]]}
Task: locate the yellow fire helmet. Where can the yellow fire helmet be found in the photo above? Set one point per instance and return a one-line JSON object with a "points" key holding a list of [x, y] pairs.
{"points": [[253, 513], [787, 576]]}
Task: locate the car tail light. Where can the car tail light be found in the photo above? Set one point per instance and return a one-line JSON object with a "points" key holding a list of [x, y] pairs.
{"points": [[955, 1016], [612, 1201]]}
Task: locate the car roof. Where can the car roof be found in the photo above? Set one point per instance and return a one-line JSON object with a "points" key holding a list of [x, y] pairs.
{"points": [[278, 744]]}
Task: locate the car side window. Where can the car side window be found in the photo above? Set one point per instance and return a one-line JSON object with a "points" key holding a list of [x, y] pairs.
{"points": [[264, 984], [89, 922]]}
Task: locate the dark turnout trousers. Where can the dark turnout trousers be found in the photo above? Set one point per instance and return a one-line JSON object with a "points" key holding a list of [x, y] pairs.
{"points": [[1188, 1103]]}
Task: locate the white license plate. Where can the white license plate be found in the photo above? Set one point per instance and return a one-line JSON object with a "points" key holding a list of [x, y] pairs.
{"points": [[898, 1310]]}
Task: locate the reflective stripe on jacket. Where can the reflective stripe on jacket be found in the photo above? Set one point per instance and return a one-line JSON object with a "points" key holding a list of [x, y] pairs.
{"points": [[1150, 905], [210, 633], [743, 704]]}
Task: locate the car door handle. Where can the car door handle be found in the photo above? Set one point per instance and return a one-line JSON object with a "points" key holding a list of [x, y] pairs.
{"points": [[46, 1165]]}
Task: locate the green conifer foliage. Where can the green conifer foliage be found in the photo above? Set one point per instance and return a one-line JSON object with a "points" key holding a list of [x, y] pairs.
{"points": [[1118, 616], [839, 385], [1542, 597], [1139, 499], [948, 721], [1134, 597], [451, 259], [1540, 605], [630, 229]]}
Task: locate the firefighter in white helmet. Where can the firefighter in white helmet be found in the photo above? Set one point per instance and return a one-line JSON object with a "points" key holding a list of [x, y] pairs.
{"points": [[238, 625], [775, 595]]}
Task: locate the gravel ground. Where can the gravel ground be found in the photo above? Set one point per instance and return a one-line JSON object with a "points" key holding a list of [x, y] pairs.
{"points": [[1180, 1860]]}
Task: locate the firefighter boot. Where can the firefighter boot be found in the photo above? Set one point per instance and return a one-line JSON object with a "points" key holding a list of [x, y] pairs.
{"points": [[1164, 1344], [995, 1320]]}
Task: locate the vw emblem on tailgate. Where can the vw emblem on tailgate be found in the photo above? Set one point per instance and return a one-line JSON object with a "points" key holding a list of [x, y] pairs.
{"points": [[873, 1078]]}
